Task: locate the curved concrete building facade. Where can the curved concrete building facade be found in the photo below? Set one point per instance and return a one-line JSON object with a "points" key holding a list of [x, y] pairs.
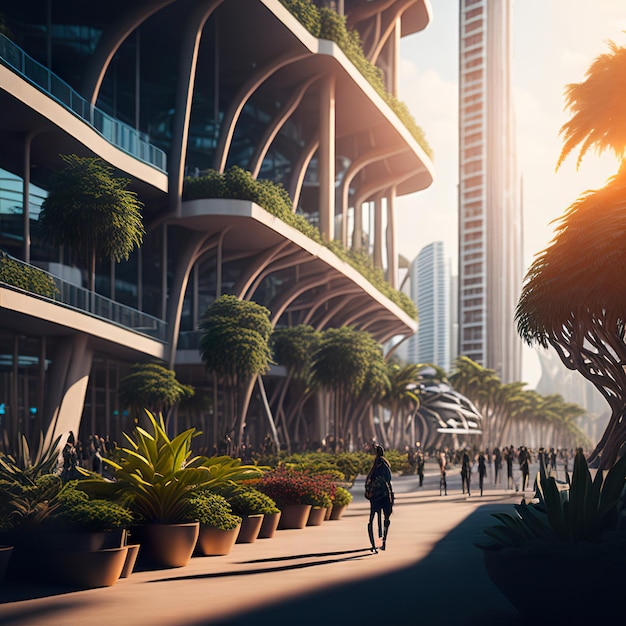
{"points": [[167, 89]]}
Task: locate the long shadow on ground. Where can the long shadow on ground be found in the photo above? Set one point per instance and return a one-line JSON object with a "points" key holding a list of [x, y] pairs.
{"points": [[450, 586]]}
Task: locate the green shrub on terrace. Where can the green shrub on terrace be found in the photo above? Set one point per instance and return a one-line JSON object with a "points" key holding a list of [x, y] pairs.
{"points": [[26, 277], [237, 183], [328, 24]]}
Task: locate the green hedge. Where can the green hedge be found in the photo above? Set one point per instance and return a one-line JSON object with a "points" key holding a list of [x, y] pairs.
{"points": [[325, 23], [26, 277], [237, 183]]}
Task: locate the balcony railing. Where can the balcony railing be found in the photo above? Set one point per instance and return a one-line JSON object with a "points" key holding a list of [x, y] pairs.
{"points": [[41, 284], [115, 132]]}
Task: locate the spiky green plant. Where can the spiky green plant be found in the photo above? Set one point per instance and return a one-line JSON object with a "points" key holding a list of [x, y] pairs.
{"points": [[27, 465], [588, 512], [159, 475]]}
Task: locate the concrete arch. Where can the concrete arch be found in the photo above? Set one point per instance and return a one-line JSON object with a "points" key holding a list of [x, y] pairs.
{"points": [[275, 126], [232, 115]]}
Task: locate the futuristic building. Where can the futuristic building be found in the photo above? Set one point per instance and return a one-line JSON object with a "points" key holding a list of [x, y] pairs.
{"points": [[430, 282], [490, 215], [166, 89]]}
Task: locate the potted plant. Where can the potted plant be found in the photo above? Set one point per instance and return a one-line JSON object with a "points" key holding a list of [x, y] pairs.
{"points": [[159, 476], [253, 506], [219, 527], [341, 500], [62, 535], [295, 493], [567, 543]]}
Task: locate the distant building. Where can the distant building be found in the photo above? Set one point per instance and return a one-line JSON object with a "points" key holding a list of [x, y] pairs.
{"points": [[490, 213], [430, 290]]}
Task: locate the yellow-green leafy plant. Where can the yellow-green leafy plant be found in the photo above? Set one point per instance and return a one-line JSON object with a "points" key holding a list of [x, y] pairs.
{"points": [[159, 476]]}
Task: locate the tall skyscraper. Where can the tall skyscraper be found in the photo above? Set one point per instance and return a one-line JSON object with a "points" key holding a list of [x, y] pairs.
{"points": [[490, 212], [430, 289]]}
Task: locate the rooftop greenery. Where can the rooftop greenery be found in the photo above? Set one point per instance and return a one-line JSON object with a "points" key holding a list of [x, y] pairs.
{"points": [[237, 183], [325, 23]]}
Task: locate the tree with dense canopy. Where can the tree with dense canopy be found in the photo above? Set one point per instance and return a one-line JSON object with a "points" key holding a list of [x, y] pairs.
{"points": [[574, 297], [91, 211], [234, 344]]}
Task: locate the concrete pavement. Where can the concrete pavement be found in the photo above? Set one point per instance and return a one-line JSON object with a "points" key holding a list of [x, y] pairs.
{"points": [[320, 574]]}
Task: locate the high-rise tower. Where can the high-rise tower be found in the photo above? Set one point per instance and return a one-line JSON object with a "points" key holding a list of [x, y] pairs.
{"points": [[430, 285], [490, 215]]}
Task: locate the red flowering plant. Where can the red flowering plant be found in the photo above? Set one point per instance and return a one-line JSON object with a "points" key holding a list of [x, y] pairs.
{"points": [[288, 485]]}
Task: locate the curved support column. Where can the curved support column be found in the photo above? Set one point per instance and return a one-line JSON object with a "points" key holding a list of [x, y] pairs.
{"points": [[300, 168], [113, 37], [326, 159], [188, 59], [372, 156], [322, 300], [278, 307], [366, 10], [194, 248], [391, 23], [66, 387], [277, 123], [243, 95], [255, 268], [333, 309], [286, 261], [392, 254]]}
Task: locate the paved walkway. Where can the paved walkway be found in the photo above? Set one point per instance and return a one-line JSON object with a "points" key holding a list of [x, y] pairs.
{"points": [[320, 574]]}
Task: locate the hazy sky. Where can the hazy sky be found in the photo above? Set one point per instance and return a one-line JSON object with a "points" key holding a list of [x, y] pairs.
{"points": [[554, 41]]}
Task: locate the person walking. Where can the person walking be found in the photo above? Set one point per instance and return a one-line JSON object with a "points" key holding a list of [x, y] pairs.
{"points": [[524, 465], [466, 472], [509, 458], [379, 491], [497, 465], [420, 466], [443, 464], [482, 471]]}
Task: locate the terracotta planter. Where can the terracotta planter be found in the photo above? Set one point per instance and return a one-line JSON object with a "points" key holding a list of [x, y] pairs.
{"points": [[36, 549], [131, 559], [5, 557], [250, 527], [215, 541], [166, 545], [269, 525], [294, 516], [87, 570], [328, 511], [337, 511], [316, 516]]}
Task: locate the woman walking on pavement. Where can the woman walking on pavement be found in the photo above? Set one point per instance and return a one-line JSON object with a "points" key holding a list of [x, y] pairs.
{"points": [[482, 471], [379, 492], [466, 472]]}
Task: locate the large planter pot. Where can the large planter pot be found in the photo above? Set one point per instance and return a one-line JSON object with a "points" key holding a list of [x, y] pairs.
{"points": [[5, 557], [35, 548], [328, 512], [131, 559], [269, 525], [215, 541], [166, 545], [250, 527], [87, 570], [337, 511], [294, 516], [568, 590], [316, 516]]}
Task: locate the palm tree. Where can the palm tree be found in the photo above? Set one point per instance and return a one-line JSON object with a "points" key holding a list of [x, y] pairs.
{"points": [[151, 386], [402, 399], [341, 366], [293, 347], [91, 211], [235, 345]]}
